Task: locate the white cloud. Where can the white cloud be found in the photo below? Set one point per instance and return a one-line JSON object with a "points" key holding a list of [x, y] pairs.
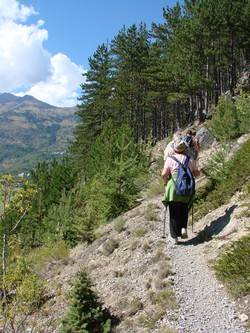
{"points": [[13, 10], [25, 63], [23, 59], [61, 87]]}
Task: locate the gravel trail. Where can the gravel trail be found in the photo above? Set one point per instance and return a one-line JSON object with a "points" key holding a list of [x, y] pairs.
{"points": [[204, 305]]}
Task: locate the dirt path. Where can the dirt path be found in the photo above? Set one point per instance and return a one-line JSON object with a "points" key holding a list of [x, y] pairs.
{"points": [[204, 305]]}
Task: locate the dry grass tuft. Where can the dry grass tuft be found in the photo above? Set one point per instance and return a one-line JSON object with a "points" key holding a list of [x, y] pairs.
{"points": [[155, 188], [109, 246], [140, 232], [164, 299], [150, 213], [119, 224], [135, 245]]}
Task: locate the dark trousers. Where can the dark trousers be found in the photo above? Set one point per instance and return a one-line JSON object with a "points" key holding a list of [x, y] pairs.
{"points": [[178, 218]]}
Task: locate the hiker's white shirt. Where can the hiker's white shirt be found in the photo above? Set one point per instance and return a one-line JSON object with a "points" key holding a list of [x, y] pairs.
{"points": [[169, 150], [171, 166]]}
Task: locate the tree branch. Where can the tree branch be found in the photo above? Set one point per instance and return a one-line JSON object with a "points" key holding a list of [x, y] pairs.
{"points": [[19, 221]]}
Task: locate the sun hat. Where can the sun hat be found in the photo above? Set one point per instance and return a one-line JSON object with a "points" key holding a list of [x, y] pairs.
{"points": [[179, 146]]}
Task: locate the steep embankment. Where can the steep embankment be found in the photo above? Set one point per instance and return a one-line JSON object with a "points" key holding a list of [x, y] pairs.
{"points": [[129, 265], [151, 285]]}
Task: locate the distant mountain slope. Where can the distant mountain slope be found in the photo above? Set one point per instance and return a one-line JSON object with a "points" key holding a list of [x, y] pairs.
{"points": [[31, 130]]}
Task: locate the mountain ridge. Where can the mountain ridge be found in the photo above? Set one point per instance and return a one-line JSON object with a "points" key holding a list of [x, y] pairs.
{"points": [[32, 131]]}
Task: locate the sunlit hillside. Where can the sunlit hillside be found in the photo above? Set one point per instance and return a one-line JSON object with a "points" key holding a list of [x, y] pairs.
{"points": [[31, 131]]}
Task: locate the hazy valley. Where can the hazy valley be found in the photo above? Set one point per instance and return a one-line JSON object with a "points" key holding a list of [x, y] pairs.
{"points": [[30, 131]]}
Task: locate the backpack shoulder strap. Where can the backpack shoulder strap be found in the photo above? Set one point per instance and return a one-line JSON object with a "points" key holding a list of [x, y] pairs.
{"points": [[186, 164], [179, 162], [175, 159]]}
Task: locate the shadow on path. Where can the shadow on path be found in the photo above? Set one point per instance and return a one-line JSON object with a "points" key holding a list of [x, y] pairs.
{"points": [[213, 229]]}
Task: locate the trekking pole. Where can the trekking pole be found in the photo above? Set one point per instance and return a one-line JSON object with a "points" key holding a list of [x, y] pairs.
{"points": [[164, 223], [192, 217]]}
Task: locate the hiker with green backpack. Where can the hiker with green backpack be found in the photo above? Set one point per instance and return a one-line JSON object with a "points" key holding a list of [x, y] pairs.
{"points": [[178, 176]]}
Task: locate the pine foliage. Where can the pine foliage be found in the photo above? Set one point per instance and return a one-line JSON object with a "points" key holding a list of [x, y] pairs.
{"points": [[231, 118], [225, 123], [86, 313]]}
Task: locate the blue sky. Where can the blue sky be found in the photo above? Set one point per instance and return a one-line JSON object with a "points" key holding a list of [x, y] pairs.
{"points": [[45, 44], [77, 27]]}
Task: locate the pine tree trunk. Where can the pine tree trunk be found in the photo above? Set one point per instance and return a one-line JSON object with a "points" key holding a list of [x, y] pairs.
{"points": [[200, 108], [206, 90], [4, 250], [233, 66], [177, 115]]}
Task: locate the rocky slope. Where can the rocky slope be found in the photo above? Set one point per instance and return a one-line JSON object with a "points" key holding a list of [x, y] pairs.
{"points": [[31, 130], [147, 282], [205, 305]]}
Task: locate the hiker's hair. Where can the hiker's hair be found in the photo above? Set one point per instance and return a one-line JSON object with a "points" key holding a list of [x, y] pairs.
{"points": [[177, 134], [190, 132]]}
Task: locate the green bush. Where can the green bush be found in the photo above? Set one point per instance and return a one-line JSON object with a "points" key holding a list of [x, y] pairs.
{"points": [[86, 313], [243, 109], [24, 289], [91, 208], [231, 119], [229, 179], [233, 267], [39, 257], [225, 123], [215, 167], [58, 223]]}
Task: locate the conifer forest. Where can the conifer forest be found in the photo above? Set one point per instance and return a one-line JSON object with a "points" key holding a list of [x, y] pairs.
{"points": [[139, 89]]}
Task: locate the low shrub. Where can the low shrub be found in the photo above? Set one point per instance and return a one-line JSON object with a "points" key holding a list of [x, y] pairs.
{"points": [[119, 224], [86, 313], [25, 293], [164, 299], [223, 185], [158, 256], [39, 257], [149, 320], [231, 119], [109, 246], [243, 109], [150, 212], [140, 232], [130, 306], [233, 267], [165, 270], [225, 123]]}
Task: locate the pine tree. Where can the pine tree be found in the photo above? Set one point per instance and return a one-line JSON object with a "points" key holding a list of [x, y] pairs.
{"points": [[96, 102], [130, 49], [86, 313]]}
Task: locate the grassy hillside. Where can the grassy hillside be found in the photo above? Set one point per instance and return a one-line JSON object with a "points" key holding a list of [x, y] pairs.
{"points": [[30, 131]]}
